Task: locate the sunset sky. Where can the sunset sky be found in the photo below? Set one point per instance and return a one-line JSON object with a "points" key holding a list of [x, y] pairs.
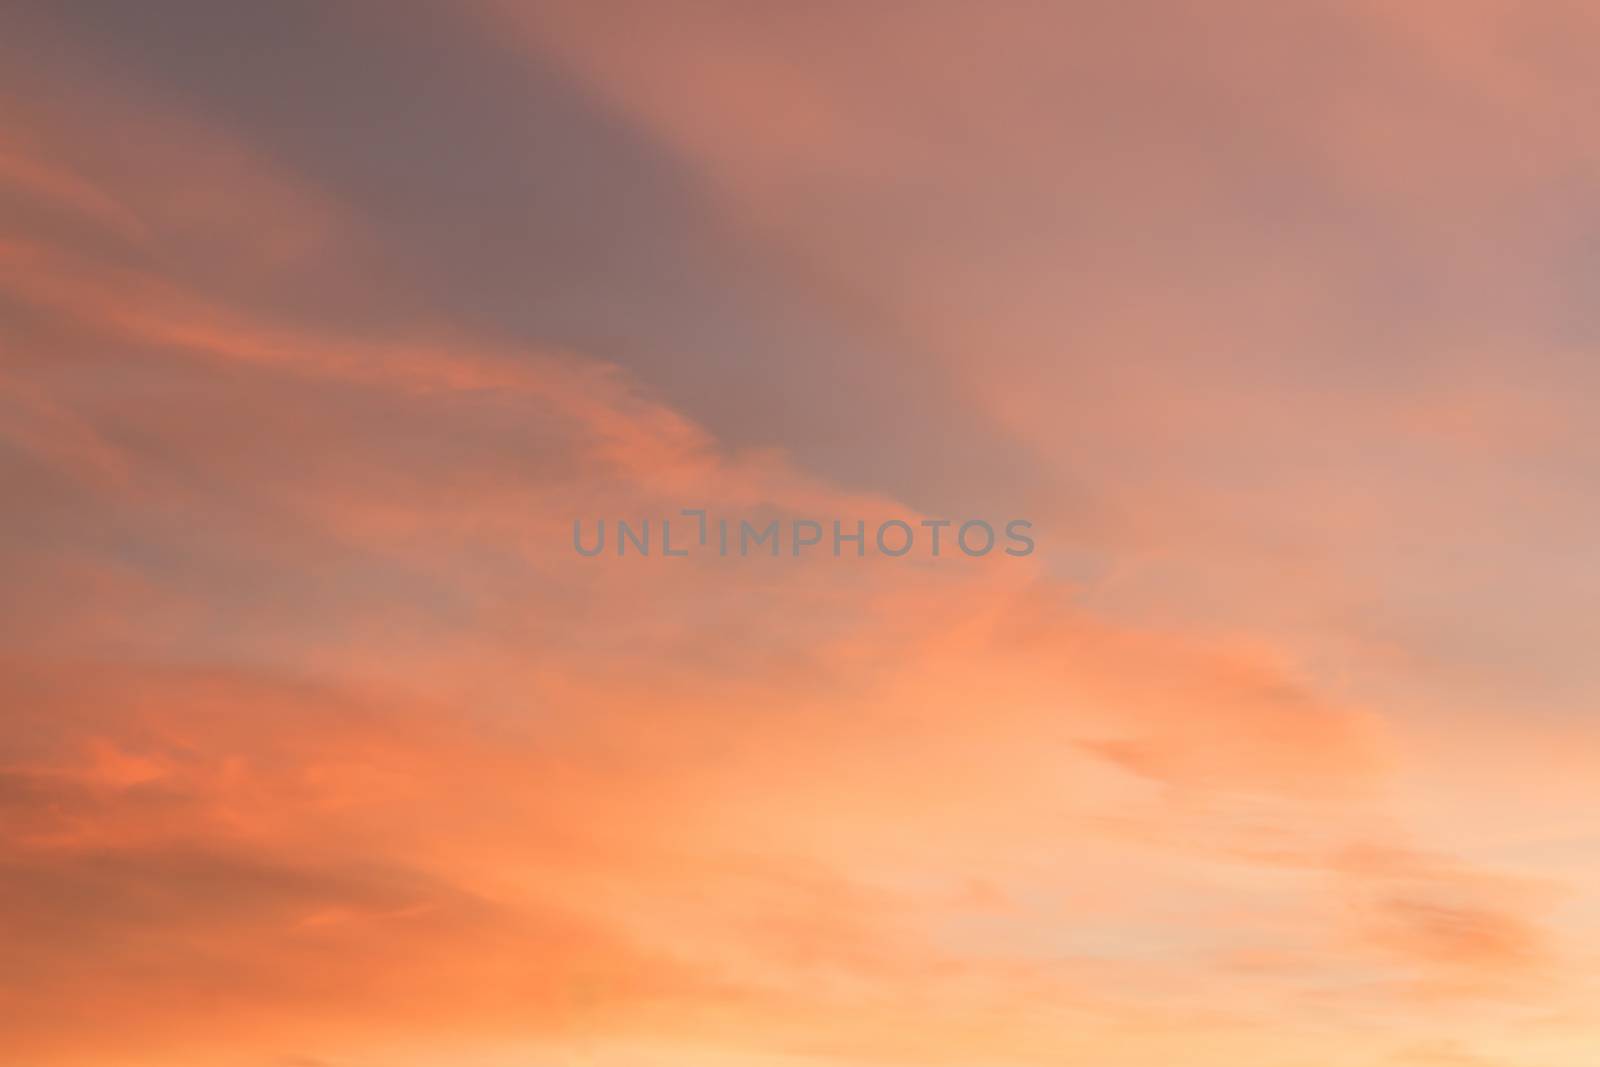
{"points": [[321, 323]]}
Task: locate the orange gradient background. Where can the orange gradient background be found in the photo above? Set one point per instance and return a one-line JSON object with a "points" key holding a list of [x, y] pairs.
{"points": [[320, 323]]}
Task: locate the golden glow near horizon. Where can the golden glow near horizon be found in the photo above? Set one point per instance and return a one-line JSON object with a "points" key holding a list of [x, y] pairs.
{"points": [[320, 327]]}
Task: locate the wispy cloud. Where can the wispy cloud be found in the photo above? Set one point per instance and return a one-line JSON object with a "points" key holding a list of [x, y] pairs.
{"points": [[321, 746]]}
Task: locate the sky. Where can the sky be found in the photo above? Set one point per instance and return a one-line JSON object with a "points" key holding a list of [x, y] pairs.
{"points": [[322, 323]]}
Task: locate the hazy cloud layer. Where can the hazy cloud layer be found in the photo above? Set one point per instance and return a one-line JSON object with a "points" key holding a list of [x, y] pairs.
{"points": [[321, 747]]}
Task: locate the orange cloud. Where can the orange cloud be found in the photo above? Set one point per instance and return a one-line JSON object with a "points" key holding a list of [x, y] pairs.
{"points": [[322, 746]]}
